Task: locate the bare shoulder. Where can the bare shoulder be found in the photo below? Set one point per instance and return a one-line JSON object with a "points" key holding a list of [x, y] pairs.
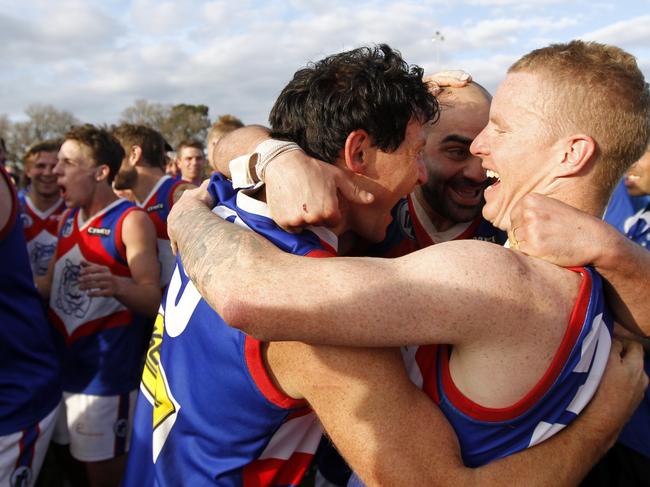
{"points": [[137, 220], [489, 263]]}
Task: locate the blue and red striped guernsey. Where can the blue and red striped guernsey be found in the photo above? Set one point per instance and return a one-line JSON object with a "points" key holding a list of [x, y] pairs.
{"points": [[412, 229], [218, 416], [486, 434], [40, 232], [104, 341], [158, 204]]}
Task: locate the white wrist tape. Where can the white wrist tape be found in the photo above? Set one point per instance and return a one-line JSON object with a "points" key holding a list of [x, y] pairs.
{"points": [[269, 150]]}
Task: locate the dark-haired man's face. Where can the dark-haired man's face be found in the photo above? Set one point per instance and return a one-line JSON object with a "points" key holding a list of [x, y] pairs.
{"points": [[455, 179], [392, 176], [127, 176]]}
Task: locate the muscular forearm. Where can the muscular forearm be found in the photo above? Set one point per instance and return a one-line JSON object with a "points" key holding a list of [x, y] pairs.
{"points": [[237, 143], [625, 266], [143, 299], [218, 256]]}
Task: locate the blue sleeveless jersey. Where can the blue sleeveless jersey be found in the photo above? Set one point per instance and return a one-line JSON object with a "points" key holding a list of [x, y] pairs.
{"points": [[636, 433], [29, 366], [218, 417], [411, 230], [102, 342], [622, 206], [486, 434]]}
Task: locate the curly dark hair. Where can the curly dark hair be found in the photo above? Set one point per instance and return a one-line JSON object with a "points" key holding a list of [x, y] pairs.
{"points": [[105, 148], [369, 88]]}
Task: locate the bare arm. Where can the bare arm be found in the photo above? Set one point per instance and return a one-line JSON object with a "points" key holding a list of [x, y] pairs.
{"points": [[462, 284], [141, 291], [391, 433], [558, 233]]}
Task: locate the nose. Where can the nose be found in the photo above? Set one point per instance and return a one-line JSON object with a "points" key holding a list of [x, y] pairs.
{"points": [[57, 170], [479, 145]]}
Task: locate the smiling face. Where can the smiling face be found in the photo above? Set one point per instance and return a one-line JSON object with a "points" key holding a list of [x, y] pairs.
{"points": [[76, 173], [455, 178], [40, 171], [392, 176], [191, 162], [514, 145], [637, 178]]}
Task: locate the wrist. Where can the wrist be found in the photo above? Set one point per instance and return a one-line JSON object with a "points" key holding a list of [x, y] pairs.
{"points": [[608, 247]]}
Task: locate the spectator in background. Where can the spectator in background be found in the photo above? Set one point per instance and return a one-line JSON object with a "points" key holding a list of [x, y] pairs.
{"points": [[190, 160], [224, 125], [41, 204]]}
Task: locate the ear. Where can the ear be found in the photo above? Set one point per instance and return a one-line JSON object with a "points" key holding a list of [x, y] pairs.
{"points": [[355, 151], [578, 154], [135, 155], [101, 172]]}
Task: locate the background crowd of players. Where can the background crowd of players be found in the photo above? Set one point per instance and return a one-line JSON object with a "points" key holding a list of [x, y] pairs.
{"points": [[89, 215]]}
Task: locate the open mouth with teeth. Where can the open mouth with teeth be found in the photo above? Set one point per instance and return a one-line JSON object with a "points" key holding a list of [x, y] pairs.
{"points": [[493, 177]]}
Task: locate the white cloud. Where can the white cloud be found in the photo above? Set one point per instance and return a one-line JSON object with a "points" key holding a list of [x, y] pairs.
{"points": [[95, 58], [626, 33]]}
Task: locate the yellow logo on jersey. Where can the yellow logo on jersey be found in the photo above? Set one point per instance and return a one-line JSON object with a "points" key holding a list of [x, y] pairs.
{"points": [[153, 378], [150, 371]]}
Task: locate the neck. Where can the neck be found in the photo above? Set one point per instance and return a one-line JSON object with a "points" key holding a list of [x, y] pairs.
{"points": [[440, 222], [43, 202], [148, 177], [102, 197], [585, 197]]}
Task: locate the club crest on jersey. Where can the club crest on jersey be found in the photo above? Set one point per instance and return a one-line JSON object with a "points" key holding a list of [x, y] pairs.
{"points": [[40, 257], [405, 221], [156, 207], [66, 231], [21, 477], [70, 299], [27, 220], [105, 232]]}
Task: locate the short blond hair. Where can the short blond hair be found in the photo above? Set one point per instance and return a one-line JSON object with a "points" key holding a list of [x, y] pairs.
{"points": [[606, 96], [224, 125]]}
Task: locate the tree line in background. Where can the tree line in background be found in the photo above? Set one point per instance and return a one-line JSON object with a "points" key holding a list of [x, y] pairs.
{"points": [[175, 122]]}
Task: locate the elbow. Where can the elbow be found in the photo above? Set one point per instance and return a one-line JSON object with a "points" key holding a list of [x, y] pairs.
{"points": [[238, 311]]}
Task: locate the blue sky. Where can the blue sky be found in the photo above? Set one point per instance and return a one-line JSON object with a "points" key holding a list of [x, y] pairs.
{"points": [[95, 58]]}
